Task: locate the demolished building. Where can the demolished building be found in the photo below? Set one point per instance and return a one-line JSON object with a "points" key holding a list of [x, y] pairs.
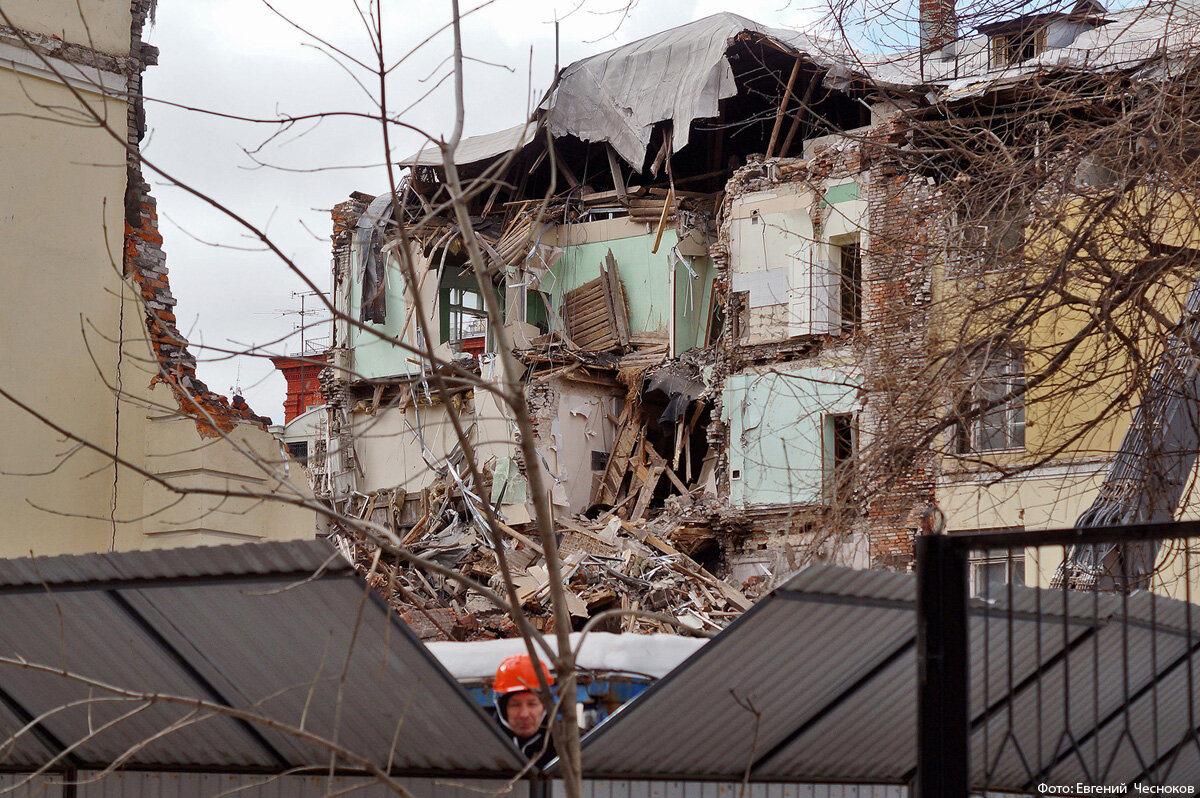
{"points": [[754, 302]]}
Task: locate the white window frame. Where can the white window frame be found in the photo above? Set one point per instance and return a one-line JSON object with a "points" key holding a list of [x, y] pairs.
{"points": [[998, 373], [1013, 563]]}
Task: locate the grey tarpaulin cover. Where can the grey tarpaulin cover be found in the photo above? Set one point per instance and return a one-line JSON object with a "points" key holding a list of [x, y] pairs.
{"points": [[368, 236], [679, 74]]}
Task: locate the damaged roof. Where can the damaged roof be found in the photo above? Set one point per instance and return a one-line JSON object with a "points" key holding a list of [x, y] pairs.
{"points": [[476, 149], [1121, 40], [680, 75]]}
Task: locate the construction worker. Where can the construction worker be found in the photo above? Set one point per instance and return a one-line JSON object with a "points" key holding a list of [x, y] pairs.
{"points": [[519, 707]]}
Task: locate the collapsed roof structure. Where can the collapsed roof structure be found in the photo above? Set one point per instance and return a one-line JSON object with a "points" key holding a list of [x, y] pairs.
{"points": [[726, 257]]}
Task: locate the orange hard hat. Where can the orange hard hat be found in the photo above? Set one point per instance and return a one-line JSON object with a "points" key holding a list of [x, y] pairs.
{"points": [[516, 675]]}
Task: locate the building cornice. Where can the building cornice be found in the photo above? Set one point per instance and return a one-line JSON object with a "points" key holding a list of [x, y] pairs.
{"points": [[29, 59]]}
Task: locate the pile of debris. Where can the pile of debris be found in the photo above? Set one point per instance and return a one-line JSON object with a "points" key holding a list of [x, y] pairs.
{"points": [[609, 563]]}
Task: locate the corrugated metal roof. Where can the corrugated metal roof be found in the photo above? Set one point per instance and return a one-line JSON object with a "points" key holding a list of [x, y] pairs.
{"points": [[237, 625], [175, 564], [476, 149], [817, 683]]}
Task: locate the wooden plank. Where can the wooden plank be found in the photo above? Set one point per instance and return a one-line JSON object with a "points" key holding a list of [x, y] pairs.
{"points": [[628, 433], [662, 222], [647, 493], [616, 289], [586, 336], [592, 335], [660, 462], [614, 166], [783, 101], [600, 341], [679, 439], [508, 530], [661, 545], [589, 316]]}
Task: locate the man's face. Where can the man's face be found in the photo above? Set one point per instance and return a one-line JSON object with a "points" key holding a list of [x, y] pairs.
{"points": [[524, 713]]}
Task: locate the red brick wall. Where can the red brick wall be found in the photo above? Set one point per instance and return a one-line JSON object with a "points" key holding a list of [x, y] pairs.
{"points": [[303, 383]]}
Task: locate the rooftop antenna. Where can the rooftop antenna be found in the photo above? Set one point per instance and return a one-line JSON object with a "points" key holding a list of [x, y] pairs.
{"points": [[304, 312]]}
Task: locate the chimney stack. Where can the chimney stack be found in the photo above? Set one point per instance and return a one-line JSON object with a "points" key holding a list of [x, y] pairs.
{"points": [[938, 27]]}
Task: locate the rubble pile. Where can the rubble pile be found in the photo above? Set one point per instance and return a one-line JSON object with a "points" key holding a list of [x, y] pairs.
{"points": [[609, 563]]}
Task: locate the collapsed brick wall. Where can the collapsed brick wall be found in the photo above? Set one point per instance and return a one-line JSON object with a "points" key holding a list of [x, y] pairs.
{"points": [[900, 469], [144, 263], [334, 378], [785, 537]]}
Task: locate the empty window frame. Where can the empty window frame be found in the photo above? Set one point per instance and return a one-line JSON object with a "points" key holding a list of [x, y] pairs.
{"points": [[989, 422], [839, 440], [464, 318], [299, 451], [1012, 48], [850, 285], [991, 230]]}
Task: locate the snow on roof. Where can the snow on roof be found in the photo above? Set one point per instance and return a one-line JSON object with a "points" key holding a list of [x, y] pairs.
{"points": [[1129, 38], [639, 655]]}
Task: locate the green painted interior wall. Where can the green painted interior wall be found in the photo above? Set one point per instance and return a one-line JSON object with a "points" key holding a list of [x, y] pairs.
{"points": [[373, 357], [775, 432], [843, 193], [693, 300], [646, 277]]}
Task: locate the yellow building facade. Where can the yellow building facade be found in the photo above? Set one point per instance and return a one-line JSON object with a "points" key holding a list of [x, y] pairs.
{"points": [[107, 446]]}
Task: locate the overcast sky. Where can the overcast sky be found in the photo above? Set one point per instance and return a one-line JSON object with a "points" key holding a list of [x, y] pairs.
{"points": [[237, 57]]}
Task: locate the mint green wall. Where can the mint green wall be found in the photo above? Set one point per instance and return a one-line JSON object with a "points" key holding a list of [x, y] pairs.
{"points": [[846, 192], [372, 357], [775, 431], [693, 299], [647, 281], [646, 277]]}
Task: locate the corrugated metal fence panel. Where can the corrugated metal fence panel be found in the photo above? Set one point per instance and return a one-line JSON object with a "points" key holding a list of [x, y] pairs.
{"points": [[716, 789], [241, 625], [203, 785], [85, 633], [295, 556], [396, 691], [29, 786], [765, 678]]}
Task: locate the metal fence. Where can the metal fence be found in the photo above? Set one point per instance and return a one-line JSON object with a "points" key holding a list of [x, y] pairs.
{"points": [[1062, 662], [208, 785]]}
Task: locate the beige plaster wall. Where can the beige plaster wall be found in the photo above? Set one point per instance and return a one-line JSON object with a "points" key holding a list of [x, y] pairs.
{"points": [[61, 307], [100, 24], [391, 452], [247, 460], [65, 307]]}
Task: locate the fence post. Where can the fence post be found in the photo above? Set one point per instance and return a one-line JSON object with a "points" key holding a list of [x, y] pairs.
{"points": [[943, 749]]}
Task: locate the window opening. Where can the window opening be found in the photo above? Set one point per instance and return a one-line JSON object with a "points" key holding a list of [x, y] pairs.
{"points": [[1002, 427], [840, 438], [851, 286], [1012, 48], [992, 570]]}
